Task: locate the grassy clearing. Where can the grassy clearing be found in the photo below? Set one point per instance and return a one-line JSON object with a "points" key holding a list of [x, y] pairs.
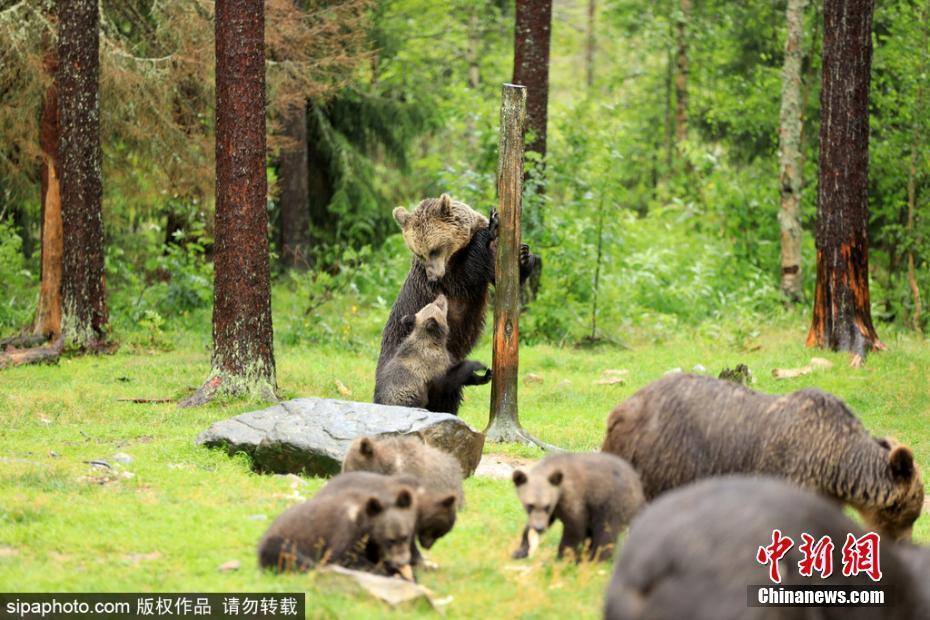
{"points": [[185, 510]]}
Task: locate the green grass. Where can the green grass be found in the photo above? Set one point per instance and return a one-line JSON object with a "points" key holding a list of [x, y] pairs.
{"points": [[64, 526]]}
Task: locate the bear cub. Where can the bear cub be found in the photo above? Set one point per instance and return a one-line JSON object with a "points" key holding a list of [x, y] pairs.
{"points": [[421, 373], [594, 495], [363, 529]]}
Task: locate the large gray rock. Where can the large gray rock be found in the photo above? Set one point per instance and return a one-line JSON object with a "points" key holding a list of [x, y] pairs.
{"points": [[311, 435]]}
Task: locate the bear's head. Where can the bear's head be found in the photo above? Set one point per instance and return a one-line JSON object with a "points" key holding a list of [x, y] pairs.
{"points": [[437, 229], [380, 456], [435, 516], [430, 323], [894, 517], [539, 491], [392, 526]]}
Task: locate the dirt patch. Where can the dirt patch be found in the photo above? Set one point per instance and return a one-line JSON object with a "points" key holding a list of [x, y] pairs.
{"points": [[501, 466]]}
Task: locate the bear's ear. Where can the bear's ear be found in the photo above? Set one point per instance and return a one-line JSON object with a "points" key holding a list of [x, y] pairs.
{"points": [[401, 215], [519, 478], [373, 507], [408, 321], [366, 448], [404, 499], [433, 328], [901, 463], [445, 205], [555, 478], [448, 502]]}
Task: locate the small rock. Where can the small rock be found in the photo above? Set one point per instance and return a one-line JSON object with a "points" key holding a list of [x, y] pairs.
{"points": [[699, 368], [610, 381], [673, 371], [231, 565], [123, 458], [53, 454], [532, 378]]}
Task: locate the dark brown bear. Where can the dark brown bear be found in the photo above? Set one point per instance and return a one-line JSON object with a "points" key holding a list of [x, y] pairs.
{"points": [[453, 250], [436, 512], [693, 552], [594, 496], [362, 530], [684, 427]]}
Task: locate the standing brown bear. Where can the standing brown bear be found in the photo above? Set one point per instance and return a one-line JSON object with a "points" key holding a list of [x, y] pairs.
{"points": [[453, 249], [594, 495], [685, 427]]}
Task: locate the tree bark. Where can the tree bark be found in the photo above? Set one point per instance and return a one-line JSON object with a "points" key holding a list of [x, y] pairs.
{"points": [[681, 74], [842, 318], [84, 307], [531, 65], [243, 350], [789, 217], [295, 207], [916, 144], [590, 44], [48, 309]]}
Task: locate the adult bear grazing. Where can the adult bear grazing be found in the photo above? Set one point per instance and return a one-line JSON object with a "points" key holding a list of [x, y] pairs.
{"points": [[694, 551], [685, 427], [453, 250]]}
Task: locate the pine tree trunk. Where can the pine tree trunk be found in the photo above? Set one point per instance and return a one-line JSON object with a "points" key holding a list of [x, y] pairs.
{"points": [[243, 353], [590, 44], [842, 318], [84, 307], [789, 218], [531, 65], [48, 310], [916, 144], [295, 207], [681, 74]]}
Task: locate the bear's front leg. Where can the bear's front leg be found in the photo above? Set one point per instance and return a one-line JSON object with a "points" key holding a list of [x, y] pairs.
{"points": [[603, 540], [524, 549]]}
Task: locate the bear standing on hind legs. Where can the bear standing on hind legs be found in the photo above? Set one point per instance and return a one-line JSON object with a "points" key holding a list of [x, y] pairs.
{"points": [[453, 250]]}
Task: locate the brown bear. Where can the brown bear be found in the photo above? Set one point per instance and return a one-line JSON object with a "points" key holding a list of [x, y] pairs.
{"points": [[594, 496], [367, 530], [693, 552], [684, 427], [437, 471], [421, 373], [453, 249], [917, 560], [436, 513]]}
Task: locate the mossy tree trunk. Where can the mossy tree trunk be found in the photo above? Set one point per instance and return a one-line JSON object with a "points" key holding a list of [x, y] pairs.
{"points": [[84, 306], [682, 69], [789, 217], [295, 192], [243, 353], [842, 319]]}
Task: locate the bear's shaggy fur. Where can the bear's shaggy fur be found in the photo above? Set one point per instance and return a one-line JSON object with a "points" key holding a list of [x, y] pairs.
{"points": [[692, 554], [357, 529], [437, 471], [435, 513], [917, 561], [684, 427], [594, 496], [421, 373], [453, 249]]}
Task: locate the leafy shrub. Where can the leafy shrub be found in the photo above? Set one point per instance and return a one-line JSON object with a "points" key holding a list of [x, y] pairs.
{"points": [[17, 283]]}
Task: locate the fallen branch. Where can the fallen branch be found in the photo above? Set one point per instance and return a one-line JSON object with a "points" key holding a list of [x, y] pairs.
{"points": [[37, 355], [23, 341], [145, 400]]}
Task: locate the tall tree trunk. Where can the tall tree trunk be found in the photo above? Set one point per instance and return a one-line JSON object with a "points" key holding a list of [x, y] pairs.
{"points": [[842, 318], [474, 49], [48, 310], [531, 65], [243, 350], [295, 207], [789, 218], [590, 44], [84, 307], [681, 73], [916, 144]]}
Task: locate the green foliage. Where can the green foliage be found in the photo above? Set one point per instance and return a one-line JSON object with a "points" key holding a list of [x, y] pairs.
{"points": [[17, 283]]}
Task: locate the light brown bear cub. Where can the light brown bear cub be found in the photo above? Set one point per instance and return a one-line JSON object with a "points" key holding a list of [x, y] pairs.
{"points": [[361, 529], [436, 470], [594, 495], [422, 373], [682, 428]]}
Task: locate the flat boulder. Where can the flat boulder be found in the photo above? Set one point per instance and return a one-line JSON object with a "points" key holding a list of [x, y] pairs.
{"points": [[312, 435]]}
